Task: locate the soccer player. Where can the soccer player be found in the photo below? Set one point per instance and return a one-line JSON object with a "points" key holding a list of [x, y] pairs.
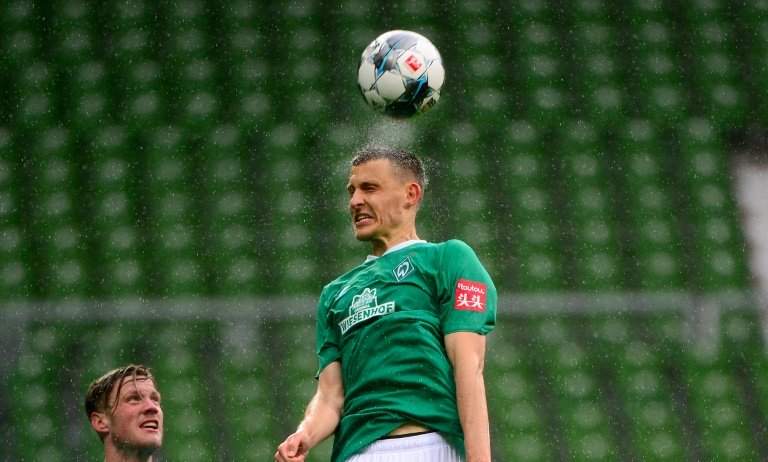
{"points": [[123, 406], [400, 338]]}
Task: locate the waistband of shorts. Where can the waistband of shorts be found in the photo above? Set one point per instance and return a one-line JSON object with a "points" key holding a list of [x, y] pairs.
{"points": [[410, 441], [406, 435]]}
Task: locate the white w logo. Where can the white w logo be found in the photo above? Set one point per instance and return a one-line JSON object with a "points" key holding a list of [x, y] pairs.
{"points": [[403, 269]]}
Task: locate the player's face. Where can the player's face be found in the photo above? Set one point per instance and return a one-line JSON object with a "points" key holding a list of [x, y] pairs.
{"points": [[376, 199], [136, 422]]}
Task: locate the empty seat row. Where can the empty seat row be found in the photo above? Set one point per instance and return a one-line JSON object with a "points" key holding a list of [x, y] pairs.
{"points": [[592, 386]]}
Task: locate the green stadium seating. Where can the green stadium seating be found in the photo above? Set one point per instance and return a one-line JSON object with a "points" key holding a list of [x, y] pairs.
{"points": [[593, 236], [173, 212], [536, 262], [115, 217], [465, 175], [18, 14], [229, 221], [89, 95], [599, 72], [34, 387], [718, 244], [645, 392], [21, 45], [142, 106], [153, 154], [246, 390], [57, 222], [186, 411], [520, 424], [289, 220], [130, 37], [718, 407], [73, 25], [15, 275], [300, 369], [651, 212]]}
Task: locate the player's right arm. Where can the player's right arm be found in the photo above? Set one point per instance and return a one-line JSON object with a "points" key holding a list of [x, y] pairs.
{"points": [[320, 419]]}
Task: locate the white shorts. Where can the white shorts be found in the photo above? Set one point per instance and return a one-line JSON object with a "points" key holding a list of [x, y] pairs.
{"points": [[429, 447]]}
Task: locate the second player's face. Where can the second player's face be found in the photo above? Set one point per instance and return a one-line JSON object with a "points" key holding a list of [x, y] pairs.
{"points": [[376, 197], [136, 423]]}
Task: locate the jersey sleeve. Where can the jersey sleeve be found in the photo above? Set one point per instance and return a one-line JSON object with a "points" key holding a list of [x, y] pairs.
{"points": [[327, 341], [468, 298]]}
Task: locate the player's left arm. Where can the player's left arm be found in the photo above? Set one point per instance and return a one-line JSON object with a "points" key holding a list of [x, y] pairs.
{"points": [[466, 352]]}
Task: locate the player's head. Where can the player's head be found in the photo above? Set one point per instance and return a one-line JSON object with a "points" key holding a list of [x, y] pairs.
{"points": [[403, 161], [123, 406], [386, 186]]}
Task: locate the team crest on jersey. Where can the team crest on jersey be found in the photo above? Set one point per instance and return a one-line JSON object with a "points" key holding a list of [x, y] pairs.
{"points": [[403, 269], [364, 307]]}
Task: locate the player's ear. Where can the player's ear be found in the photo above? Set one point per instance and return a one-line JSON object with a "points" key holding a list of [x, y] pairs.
{"points": [[413, 194], [100, 423]]}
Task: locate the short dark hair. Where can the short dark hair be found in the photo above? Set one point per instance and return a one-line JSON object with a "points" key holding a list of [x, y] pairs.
{"points": [[400, 158], [97, 396]]}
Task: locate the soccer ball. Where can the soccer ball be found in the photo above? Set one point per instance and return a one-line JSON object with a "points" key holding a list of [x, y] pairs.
{"points": [[400, 74]]}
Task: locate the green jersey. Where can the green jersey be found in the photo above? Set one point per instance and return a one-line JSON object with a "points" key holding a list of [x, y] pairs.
{"points": [[385, 321]]}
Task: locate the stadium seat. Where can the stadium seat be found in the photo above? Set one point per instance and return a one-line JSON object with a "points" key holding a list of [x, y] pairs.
{"points": [[298, 375], [185, 407], [72, 33], [115, 217], [536, 261], [57, 226], [35, 389], [19, 24], [36, 106], [89, 95], [173, 212], [717, 76], [626, 347], [593, 236], [14, 254], [188, 37], [570, 375], [190, 73], [199, 110], [465, 174], [718, 407], [754, 19], [18, 14], [247, 392], [599, 71], [719, 244], [290, 218], [142, 102], [513, 404], [130, 36], [231, 237], [650, 210], [590, 10]]}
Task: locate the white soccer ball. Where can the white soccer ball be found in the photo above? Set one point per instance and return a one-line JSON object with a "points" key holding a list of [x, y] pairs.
{"points": [[400, 74]]}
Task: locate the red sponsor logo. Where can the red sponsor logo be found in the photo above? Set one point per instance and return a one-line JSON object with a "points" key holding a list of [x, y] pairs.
{"points": [[470, 296], [413, 62]]}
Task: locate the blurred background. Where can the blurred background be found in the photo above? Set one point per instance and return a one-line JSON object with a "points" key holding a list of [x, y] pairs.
{"points": [[172, 182]]}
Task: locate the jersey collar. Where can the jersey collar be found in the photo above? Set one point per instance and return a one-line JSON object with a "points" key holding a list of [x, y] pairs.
{"points": [[399, 246]]}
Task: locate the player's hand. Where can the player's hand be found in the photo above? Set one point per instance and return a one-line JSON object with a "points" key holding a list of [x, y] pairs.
{"points": [[293, 449]]}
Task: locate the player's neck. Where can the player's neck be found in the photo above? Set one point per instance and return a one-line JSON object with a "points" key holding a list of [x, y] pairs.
{"points": [[381, 246], [116, 455]]}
